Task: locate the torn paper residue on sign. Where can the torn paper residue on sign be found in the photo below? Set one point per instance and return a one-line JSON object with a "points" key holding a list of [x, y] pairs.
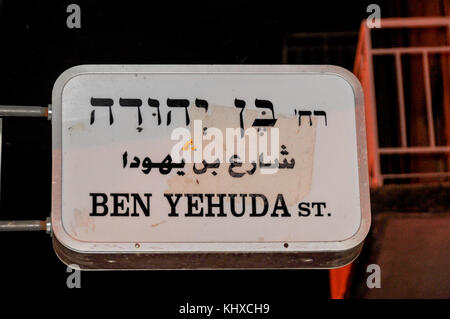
{"points": [[294, 184]]}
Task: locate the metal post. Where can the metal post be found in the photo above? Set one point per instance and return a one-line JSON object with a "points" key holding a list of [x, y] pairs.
{"points": [[25, 225], [377, 178], [23, 111]]}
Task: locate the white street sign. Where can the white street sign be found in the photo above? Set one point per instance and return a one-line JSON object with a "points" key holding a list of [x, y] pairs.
{"points": [[146, 161]]}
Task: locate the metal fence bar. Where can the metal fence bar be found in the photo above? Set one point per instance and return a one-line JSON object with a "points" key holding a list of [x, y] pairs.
{"points": [[411, 50], [426, 75], [448, 33], [415, 22], [414, 150], [417, 175], [401, 98]]}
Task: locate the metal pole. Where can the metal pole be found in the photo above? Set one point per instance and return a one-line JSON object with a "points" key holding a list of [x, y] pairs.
{"points": [[23, 111], [25, 225]]}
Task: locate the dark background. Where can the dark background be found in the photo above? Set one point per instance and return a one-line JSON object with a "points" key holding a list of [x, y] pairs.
{"points": [[36, 46]]}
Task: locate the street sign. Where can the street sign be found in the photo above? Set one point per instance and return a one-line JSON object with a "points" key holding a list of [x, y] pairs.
{"points": [[208, 166]]}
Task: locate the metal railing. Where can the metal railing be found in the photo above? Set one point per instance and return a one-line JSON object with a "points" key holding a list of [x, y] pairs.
{"points": [[364, 70]]}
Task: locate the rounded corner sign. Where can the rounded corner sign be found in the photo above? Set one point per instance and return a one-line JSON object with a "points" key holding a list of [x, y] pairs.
{"points": [[168, 158]]}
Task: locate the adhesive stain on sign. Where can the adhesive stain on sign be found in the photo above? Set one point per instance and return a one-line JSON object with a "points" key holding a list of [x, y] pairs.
{"points": [[294, 184], [82, 220]]}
